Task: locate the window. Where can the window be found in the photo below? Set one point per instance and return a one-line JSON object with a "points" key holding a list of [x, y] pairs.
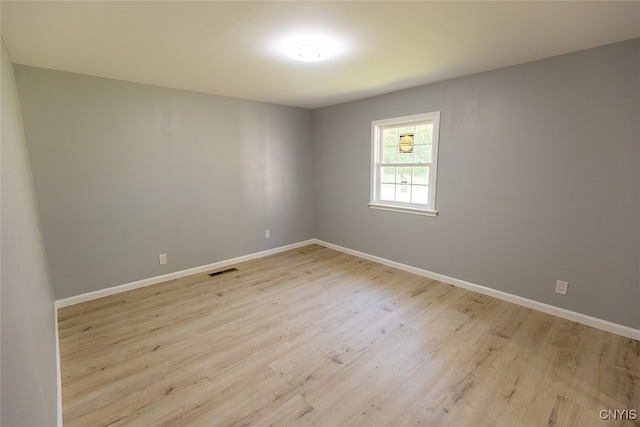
{"points": [[404, 159]]}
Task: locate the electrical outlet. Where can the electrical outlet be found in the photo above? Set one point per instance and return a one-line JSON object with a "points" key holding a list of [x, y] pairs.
{"points": [[162, 258], [267, 234], [562, 287]]}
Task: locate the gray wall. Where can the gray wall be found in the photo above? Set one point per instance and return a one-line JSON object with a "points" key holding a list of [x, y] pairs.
{"points": [[28, 366], [538, 180], [124, 172]]}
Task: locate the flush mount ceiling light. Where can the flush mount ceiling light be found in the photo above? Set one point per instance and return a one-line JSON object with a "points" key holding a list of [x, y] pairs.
{"points": [[309, 51], [308, 45]]}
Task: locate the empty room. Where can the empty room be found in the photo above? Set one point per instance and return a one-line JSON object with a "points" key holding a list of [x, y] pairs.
{"points": [[327, 213]]}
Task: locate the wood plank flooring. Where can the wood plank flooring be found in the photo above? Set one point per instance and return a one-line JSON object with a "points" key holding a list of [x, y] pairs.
{"points": [[316, 337]]}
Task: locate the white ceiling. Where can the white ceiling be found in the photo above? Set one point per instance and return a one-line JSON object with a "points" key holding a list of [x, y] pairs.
{"points": [[230, 47]]}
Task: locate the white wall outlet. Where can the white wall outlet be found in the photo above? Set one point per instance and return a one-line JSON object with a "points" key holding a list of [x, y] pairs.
{"points": [[162, 258], [561, 287], [267, 234]]}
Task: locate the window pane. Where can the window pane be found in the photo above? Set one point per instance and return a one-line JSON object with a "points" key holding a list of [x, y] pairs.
{"points": [[390, 136], [424, 134], [420, 175], [388, 174], [403, 175], [387, 192], [403, 193], [390, 154], [423, 153], [407, 129], [420, 194], [405, 157]]}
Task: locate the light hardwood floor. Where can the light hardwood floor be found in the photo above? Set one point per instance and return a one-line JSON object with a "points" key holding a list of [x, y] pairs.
{"points": [[317, 337]]}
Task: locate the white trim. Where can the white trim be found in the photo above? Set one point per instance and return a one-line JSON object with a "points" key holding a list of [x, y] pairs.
{"points": [[433, 169], [77, 299], [406, 120], [58, 370], [595, 322], [377, 127], [415, 211]]}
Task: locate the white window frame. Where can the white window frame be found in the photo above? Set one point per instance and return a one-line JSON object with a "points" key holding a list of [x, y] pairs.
{"points": [[377, 127]]}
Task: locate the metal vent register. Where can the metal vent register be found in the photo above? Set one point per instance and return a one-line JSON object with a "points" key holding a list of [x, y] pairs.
{"points": [[217, 273]]}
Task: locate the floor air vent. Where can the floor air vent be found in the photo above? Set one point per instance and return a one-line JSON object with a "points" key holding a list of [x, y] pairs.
{"points": [[217, 273]]}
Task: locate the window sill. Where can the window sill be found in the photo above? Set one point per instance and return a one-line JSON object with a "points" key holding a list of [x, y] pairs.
{"points": [[403, 209]]}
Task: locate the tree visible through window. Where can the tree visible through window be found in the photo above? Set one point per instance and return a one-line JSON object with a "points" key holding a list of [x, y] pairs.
{"points": [[404, 157]]}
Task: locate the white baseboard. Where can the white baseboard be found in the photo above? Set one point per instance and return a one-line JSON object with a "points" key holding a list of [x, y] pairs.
{"points": [[545, 308], [77, 299], [595, 322], [58, 371]]}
